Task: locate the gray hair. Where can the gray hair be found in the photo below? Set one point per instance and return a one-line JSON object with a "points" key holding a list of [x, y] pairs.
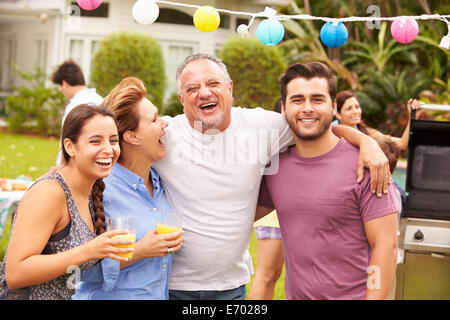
{"points": [[199, 56]]}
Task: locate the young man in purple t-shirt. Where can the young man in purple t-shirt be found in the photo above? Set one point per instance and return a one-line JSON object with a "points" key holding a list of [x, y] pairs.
{"points": [[339, 239]]}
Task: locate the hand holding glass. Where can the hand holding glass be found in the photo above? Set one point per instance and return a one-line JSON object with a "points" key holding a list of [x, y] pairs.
{"points": [[126, 223]]}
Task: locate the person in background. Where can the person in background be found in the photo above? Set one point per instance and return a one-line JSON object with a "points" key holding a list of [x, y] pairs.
{"points": [[134, 189], [269, 254], [349, 113], [70, 79], [60, 221]]}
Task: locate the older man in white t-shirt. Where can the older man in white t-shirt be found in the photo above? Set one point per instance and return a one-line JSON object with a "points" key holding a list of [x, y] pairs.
{"points": [[215, 157]]}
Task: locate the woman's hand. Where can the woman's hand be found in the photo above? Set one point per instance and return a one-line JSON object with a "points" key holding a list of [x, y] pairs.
{"points": [[414, 104], [104, 246], [158, 245]]}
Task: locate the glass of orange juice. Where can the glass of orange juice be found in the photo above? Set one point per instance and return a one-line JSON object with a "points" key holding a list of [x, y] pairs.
{"points": [[127, 223], [169, 222]]}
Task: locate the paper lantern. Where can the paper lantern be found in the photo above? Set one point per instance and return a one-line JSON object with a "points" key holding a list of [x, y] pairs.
{"points": [[242, 29], [145, 11], [89, 4], [333, 34], [270, 32], [404, 30], [206, 19]]}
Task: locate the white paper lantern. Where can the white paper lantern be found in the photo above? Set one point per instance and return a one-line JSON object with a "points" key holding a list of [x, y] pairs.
{"points": [[145, 11]]}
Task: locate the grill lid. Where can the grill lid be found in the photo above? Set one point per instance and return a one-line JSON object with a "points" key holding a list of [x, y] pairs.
{"points": [[428, 171]]}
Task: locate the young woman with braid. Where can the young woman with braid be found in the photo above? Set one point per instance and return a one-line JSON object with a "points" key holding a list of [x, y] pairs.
{"points": [[54, 229], [134, 189]]}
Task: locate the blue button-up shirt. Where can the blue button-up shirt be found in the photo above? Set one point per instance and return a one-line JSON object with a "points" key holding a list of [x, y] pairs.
{"points": [[125, 194]]}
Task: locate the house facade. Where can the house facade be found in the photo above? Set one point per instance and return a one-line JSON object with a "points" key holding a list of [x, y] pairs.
{"points": [[44, 33]]}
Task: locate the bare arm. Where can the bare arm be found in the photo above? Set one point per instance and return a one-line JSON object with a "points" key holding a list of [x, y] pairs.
{"points": [[370, 156], [404, 140], [38, 214], [382, 236]]}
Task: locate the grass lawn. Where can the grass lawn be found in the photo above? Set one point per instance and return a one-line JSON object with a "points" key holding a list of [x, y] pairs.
{"points": [[26, 155], [20, 154]]}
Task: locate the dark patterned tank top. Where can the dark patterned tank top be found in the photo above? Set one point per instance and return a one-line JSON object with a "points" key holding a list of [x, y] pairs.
{"points": [[76, 233]]}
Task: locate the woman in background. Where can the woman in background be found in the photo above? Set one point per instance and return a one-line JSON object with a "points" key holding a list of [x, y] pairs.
{"points": [[349, 113]]}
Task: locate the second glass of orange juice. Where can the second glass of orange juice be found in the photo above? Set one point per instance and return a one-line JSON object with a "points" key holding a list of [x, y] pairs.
{"points": [[168, 223]]}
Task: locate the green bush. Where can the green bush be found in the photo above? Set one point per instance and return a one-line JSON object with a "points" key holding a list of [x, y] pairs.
{"points": [[254, 69], [124, 54], [173, 106], [34, 107]]}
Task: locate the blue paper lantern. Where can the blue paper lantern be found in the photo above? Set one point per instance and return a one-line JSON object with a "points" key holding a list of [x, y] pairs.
{"points": [[270, 32], [333, 34]]}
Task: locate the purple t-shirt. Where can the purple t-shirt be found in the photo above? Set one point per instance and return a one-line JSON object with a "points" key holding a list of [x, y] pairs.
{"points": [[321, 210]]}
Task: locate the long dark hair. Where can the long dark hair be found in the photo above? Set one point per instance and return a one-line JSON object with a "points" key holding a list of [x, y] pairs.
{"points": [[73, 125], [340, 100]]}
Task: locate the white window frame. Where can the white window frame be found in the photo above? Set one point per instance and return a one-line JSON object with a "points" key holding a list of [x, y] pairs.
{"points": [[86, 52], [165, 45], [41, 53]]}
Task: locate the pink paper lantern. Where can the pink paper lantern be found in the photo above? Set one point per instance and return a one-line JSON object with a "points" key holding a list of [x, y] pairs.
{"points": [[89, 4], [404, 29]]}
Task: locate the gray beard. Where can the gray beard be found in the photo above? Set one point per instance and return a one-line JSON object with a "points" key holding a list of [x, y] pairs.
{"points": [[215, 124]]}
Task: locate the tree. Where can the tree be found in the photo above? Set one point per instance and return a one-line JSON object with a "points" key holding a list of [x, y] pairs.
{"points": [[255, 69], [124, 54]]}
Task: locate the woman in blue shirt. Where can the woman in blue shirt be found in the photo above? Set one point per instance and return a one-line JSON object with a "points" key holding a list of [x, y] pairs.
{"points": [[134, 189]]}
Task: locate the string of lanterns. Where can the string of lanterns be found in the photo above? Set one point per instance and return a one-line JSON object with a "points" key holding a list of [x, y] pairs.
{"points": [[270, 31]]}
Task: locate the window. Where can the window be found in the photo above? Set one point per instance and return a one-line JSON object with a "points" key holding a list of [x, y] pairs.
{"points": [[175, 56], [41, 54], [174, 53], [11, 62], [224, 21], [240, 21], [82, 51], [94, 45], [76, 51], [101, 12], [174, 16]]}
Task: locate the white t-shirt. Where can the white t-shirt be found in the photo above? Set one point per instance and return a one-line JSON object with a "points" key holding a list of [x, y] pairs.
{"points": [[86, 95], [213, 182]]}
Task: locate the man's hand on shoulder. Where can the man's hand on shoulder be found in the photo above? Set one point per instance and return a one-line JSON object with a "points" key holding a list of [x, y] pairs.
{"points": [[371, 156]]}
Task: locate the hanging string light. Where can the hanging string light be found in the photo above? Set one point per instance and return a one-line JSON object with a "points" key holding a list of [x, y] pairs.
{"points": [[333, 36], [206, 19], [404, 29], [145, 11], [89, 4]]}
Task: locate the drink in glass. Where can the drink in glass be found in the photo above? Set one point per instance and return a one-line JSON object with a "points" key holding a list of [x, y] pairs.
{"points": [[126, 223]]}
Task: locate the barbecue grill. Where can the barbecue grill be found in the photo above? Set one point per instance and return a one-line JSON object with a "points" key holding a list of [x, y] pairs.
{"points": [[424, 241]]}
